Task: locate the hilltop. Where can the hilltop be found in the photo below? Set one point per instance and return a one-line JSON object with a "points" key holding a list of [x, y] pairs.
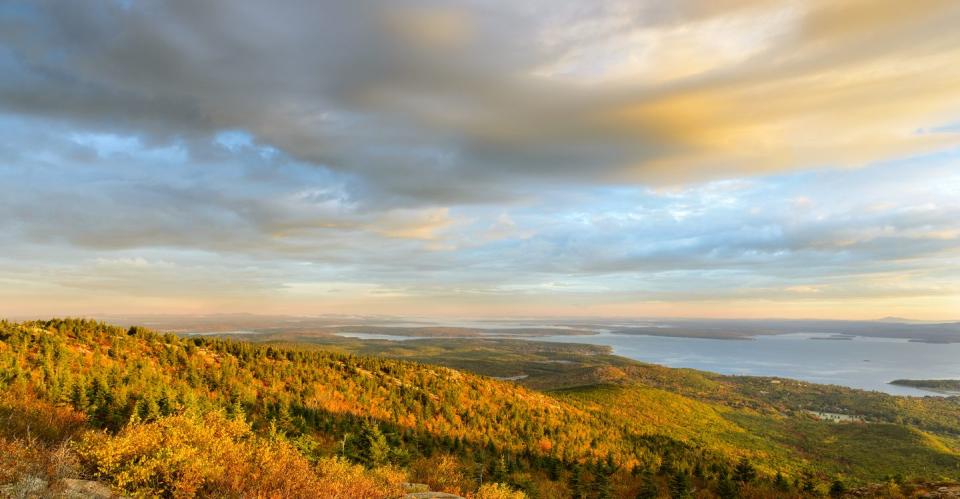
{"points": [[151, 413]]}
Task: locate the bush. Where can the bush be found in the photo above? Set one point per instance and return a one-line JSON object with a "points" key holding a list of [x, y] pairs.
{"points": [[498, 491], [23, 415], [212, 455], [342, 479], [444, 473], [33, 442]]}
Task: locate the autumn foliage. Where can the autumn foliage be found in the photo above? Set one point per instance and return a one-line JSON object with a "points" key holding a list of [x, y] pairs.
{"points": [[208, 455], [156, 415]]}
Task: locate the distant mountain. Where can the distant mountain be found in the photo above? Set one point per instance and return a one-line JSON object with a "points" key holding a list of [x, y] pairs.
{"points": [[902, 320]]}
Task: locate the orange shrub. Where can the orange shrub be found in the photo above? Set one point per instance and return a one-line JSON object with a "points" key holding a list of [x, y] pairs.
{"points": [[498, 491], [341, 479], [23, 415], [444, 473]]}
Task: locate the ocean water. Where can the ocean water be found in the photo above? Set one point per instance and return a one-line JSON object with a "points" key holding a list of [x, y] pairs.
{"points": [[858, 362]]}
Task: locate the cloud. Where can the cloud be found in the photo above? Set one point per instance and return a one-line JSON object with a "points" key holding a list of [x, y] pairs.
{"points": [[398, 92], [594, 249], [414, 224], [602, 152]]}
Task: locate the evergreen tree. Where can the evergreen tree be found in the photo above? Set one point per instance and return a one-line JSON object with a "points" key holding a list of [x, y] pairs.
{"points": [[78, 396], [727, 489], [680, 486], [576, 483], [666, 467], [837, 489], [781, 483], [500, 470], [553, 469], [806, 484], [648, 487], [602, 485], [744, 472], [374, 449]]}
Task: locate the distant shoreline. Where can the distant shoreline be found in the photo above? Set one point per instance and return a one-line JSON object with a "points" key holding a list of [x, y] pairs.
{"points": [[942, 386]]}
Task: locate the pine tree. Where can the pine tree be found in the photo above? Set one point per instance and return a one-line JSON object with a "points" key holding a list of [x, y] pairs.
{"points": [[680, 486], [807, 484], [781, 483], [553, 469], [837, 489], [576, 482], [648, 487], [727, 489], [602, 485], [500, 470], [744, 472], [236, 409], [374, 449], [78, 396]]}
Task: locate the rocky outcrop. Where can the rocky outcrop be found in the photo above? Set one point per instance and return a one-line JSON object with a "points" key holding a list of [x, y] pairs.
{"points": [[69, 488], [422, 491], [921, 490], [941, 492], [26, 486], [431, 495], [87, 489]]}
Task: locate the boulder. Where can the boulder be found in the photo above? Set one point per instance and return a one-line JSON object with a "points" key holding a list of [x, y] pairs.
{"points": [[74, 488], [431, 495]]}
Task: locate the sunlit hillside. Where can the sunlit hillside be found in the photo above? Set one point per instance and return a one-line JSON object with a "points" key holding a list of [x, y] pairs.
{"points": [[148, 413]]}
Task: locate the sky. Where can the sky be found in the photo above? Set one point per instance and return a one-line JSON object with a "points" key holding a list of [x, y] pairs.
{"points": [[721, 158]]}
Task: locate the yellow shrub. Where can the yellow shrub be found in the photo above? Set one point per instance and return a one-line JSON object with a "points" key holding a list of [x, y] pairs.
{"points": [[341, 479], [443, 473], [498, 491], [211, 455], [174, 456]]}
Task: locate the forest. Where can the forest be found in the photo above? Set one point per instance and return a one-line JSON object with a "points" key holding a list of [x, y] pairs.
{"points": [[158, 415]]}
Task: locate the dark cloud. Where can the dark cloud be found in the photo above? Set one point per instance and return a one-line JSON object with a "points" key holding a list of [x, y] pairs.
{"points": [[447, 103]]}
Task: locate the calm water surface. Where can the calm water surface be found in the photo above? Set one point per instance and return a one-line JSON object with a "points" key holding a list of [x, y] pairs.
{"points": [[861, 362]]}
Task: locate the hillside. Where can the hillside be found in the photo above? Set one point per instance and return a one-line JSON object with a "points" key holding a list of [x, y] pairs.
{"points": [[153, 413]]}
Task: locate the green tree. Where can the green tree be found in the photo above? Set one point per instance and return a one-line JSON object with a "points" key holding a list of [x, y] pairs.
{"points": [[680, 486], [727, 489], [806, 483], [78, 396], [500, 470], [780, 483], [602, 485], [576, 482], [837, 489], [648, 487], [553, 469], [744, 472], [374, 449]]}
